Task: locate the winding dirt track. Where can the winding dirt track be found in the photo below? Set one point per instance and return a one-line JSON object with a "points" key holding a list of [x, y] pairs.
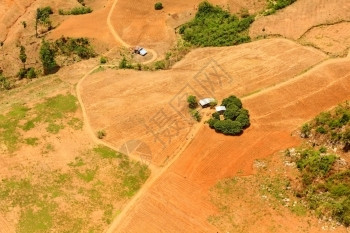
{"points": [[119, 40]]}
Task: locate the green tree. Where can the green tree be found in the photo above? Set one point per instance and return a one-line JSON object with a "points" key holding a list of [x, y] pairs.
{"points": [[47, 57], [158, 6], [23, 56], [43, 17], [229, 127], [192, 101], [305, 130]]}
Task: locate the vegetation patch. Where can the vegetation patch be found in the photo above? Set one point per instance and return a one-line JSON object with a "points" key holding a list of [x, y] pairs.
{"points": [[330, 127], [55, 113], [275, 5], [213, 26], [76, 11], [69, 200], [236, 118]]}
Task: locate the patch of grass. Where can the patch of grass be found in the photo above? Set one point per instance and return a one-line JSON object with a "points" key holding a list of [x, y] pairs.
{"points": [[98, 180], [54, 128], [106, 152], [75, 123], [213, 26], [69, 47], [275, 5], [76, 11], [31, 141]]}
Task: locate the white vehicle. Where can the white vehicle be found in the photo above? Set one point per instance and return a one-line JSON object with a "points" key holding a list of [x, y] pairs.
{"points": [[140, 50]]}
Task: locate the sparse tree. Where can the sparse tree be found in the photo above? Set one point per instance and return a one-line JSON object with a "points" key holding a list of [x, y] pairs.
{"points": [[43, 17], [23, 56], [158, 6]]}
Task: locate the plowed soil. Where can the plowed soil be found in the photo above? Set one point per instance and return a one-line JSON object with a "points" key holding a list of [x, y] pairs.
{"points": [[293, 21], [332, 39], [275, 113], [151, 106]]}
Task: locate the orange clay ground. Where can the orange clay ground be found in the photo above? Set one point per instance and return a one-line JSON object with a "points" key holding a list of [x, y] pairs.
{"points": [[283, 82]]}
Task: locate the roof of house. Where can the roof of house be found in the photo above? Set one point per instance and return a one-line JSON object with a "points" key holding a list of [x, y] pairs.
{"points": [[206, 101], [220, 108]]}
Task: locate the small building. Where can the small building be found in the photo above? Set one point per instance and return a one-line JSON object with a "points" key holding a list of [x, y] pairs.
{"points": [[205, 102], [220, 109]]}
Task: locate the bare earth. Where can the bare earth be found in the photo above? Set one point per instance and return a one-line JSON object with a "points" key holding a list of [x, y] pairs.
{"points": [[333, 39], [293, 21]]}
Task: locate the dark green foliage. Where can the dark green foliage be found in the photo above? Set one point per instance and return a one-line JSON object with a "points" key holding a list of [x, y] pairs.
{"points": [[125, 64], [103, 60], [23, 55], [321, 130], [27, 73], [31, 73], [332, 125], [325, 190], [227, 102], [192, 101], [232, 112], [305, 130], [80, 47], [346, 139], [43, 17], [47, 57], [213, 26], [312, 165], [4, 83], [275, 5], [158, 6], [243, 118], [76, 11], [229, 127], [24, 23], [216, 115], [236, 117]]}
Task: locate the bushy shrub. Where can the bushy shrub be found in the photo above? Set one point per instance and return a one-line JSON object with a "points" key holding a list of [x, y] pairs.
{"points": [[76, 11], [305, 130], [196, 115], [103, 60], [159, 65], [31, 73], [243, 118], [124, 64], [158, 6], [101, 134], [192, 101], [213, 26], [4, 83], [321, 130]]}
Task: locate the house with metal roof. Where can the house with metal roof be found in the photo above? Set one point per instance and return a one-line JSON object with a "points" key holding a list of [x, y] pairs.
{"points": [[206, 101], [220, 108]]}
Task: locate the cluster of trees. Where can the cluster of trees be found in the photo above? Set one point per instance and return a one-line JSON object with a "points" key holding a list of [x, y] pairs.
{"points": [[236, 118], [332, 126], [68, 47], [25, 72], [325, 187], [43, 18], [193, 104], [213, 26], [274, 5], [76, 11]]}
